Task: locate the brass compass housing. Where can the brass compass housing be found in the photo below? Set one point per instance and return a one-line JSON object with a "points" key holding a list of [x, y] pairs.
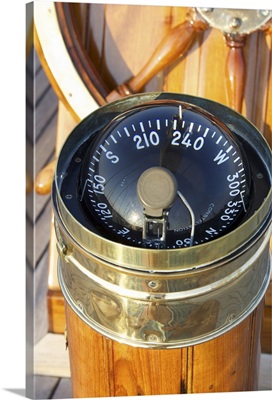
{"points": [[159, 297]]}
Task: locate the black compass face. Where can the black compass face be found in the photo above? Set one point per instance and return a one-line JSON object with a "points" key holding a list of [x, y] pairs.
{"points": [[181, 144]]}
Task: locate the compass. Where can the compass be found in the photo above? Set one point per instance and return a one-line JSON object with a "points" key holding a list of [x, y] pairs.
{"points": [[162, 207], [165, 174]]}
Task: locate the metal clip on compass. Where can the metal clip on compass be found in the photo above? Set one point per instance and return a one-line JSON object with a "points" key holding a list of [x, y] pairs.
{"points": [[156, 189]]}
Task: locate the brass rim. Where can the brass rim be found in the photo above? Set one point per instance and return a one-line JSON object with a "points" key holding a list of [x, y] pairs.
{"points": [[173, 259]]}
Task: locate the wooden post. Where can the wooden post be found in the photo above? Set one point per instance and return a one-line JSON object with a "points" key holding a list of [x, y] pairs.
{"points": [[235, 71], [101, 367]]}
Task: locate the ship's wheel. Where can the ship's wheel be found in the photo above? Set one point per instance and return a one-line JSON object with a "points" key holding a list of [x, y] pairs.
{"points": [[236, 25]]}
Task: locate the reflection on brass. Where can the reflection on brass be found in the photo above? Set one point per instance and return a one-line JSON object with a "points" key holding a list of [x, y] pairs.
{"points": [[201, 320], [107, 309], [186, 309], [236, 20]]}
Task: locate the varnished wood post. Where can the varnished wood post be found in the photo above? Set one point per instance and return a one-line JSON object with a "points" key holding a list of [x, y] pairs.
{"points": [[235, 71], [101, 367], [43, 181]]}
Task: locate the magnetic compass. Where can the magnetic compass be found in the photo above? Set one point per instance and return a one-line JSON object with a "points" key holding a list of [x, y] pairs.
{"points": [[162, 209], [164, 173]]}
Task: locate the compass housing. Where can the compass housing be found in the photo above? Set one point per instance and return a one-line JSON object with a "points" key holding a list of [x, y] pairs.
{"points": [[161, 297]]}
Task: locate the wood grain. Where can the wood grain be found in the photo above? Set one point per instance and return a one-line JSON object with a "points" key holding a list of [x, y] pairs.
{"points": [[49, 350], [266, 322], [227, 363], [235, 72], [56, 315], [173, 46]]}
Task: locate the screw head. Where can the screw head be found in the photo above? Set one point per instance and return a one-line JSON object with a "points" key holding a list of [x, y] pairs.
{"points": [[153, 338], [235, 22], [153, 284], [264, 13]]}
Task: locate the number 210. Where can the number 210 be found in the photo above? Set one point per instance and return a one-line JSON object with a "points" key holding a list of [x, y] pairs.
{"points": [[146, 140]]}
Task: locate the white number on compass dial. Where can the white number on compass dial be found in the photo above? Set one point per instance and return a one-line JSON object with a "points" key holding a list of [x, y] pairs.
{"points": [[200, 152]]}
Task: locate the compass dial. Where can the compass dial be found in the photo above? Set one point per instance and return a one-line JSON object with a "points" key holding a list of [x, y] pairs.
{"points": [[185, 148], [158, 198]]}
